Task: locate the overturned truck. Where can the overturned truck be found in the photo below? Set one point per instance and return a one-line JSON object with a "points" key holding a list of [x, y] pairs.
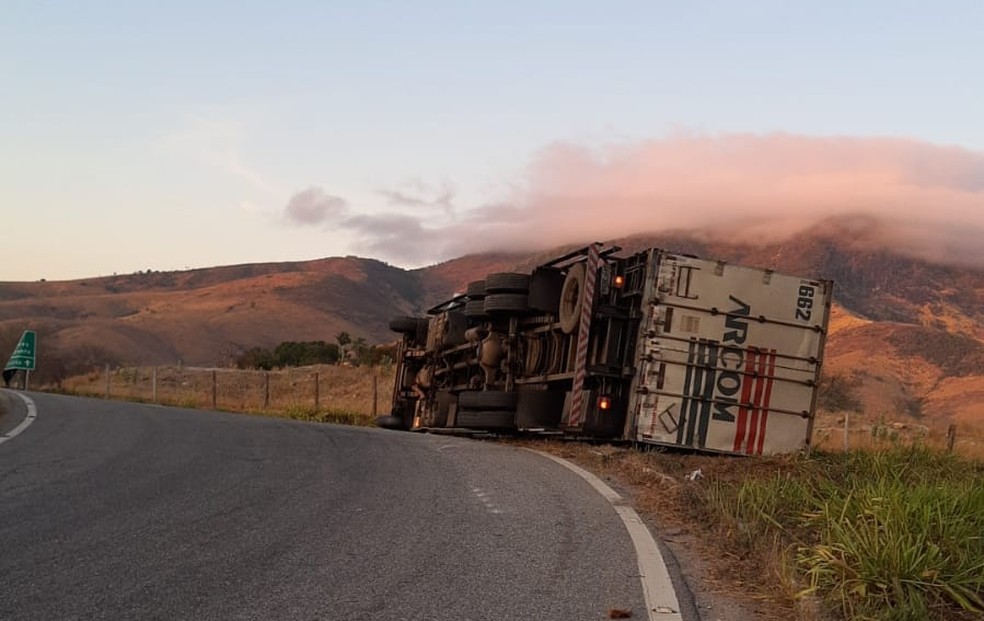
{"points": [[654, 347]]}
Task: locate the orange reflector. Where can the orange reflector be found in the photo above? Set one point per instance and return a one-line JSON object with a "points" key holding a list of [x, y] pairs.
{"points": [[618, 281], [604, 403]]}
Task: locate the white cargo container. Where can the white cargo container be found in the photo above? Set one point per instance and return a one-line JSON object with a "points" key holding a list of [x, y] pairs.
{"points": [[654, 347], [729, 357]]}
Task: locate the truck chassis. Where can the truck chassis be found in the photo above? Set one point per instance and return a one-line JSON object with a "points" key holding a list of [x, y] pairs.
{"points": [[654, 347]]}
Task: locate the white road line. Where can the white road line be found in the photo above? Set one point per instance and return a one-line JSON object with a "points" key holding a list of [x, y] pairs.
{"points": [[32, 413], [485, 498], [661, 599]]}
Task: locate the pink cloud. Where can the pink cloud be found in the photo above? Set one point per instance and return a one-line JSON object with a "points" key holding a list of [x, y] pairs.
{"points": [[931, 197], [927, 199]]}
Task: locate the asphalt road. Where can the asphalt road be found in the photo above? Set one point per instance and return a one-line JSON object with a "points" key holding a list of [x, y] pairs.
{"points": [[121, 511]]}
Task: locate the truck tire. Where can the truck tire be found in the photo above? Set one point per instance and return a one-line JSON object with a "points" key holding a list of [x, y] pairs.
{"points": [[486, 419], [414, 327], [571, 299], [403, 324], [445, 399], [505, 303], [507, 282], [410, 325], [539, 409], [389, 421], [475, 309], [487, 400], [476, 289]]}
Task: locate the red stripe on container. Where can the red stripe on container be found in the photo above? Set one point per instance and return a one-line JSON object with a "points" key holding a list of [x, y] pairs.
{"points": [[746, 394], [757, 404], [766, 401]]}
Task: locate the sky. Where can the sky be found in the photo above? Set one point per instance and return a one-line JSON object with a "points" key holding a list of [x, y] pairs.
{"points": [[172, 135]]}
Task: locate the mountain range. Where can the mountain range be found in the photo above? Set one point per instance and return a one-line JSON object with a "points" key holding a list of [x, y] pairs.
{"points": [[906, 337]]}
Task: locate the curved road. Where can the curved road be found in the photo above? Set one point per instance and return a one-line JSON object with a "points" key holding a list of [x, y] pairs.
{"points": [[115, 510]]}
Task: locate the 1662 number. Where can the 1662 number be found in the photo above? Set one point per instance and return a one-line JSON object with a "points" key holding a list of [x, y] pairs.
{"points": [[804, 303]]}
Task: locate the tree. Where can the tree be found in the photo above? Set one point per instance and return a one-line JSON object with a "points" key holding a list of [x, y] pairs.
{"points": [[359, 351], [837, 393], [289, 354], [256, 358]]}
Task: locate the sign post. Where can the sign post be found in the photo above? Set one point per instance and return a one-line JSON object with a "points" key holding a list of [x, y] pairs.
{"points": [[23, 358]]}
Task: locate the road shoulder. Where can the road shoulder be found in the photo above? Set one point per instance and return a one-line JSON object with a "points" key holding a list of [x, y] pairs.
{"points": [[705, 578], [658, 586]]}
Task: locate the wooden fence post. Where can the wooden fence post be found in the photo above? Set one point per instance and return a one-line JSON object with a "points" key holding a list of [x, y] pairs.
{"points": [[214, 389], [847, 431], [317, 390], [375, 392], [107, 380], [951, 437], [153, 387], [266, 389]]}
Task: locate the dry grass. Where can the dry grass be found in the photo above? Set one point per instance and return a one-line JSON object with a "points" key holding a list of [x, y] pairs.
{"points": [[865, 434], [321, 392]]}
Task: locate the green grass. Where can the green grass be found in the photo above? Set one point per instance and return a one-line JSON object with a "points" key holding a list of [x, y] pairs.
{"points": [[888, 535], [327, 415]]}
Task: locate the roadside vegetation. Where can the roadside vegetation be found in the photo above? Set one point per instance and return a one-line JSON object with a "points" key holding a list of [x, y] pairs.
{"points": [[347, 382], [893, 533], [339, 393], [346, 349]]}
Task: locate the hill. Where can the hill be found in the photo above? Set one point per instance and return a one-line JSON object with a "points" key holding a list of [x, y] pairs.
{"points": [[209, 316], [907, 334]]}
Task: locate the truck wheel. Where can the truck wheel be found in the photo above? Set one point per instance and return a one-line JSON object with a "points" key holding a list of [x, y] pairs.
{"points": [[410, 325], [571, 298], [403, 324], [539, 408], [506, 303], [487, 400], [507, 282], [444, 402], [475, 309], [487, 419], [389, 421], [476, 289]]}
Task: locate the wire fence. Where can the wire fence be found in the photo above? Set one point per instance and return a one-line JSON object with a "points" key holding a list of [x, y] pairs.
{"points": [[859, 434], [364, 391]]}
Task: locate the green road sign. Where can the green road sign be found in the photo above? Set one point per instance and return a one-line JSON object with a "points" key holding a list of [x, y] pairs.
{"points": [[23, 357]]}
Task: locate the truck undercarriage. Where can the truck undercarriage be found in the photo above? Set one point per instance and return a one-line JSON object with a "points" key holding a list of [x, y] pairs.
{"points": [[640, 347]]}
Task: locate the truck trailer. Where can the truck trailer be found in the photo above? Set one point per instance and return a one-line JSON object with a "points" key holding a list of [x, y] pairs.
{"points": [[655, 347]]}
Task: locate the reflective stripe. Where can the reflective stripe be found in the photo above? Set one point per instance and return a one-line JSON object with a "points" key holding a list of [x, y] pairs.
{"points": [[575, 414]]}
